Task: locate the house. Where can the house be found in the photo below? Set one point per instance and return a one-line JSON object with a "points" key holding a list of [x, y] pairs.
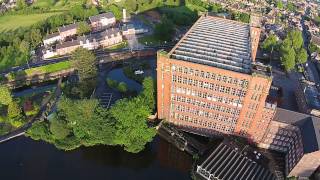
{"points": [[102, 21], [51, 38], [68, 30], [106, 38], [110, 37]]}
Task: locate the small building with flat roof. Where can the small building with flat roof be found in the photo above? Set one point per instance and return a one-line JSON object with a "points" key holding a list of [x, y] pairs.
{"points": [[308, 98]]}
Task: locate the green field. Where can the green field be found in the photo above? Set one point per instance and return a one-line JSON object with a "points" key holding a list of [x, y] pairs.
{"points": [[56, 4], [51, 68], [12, 22]]}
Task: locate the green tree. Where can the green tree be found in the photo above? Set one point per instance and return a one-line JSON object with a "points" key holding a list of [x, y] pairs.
{"points": [[21, 4], [5, 95], [15, 114], [291, 7], [83, 28], [313, 48], [59, 128], [122, 87], [35, 37], [301, 56], [112, 83], [270, 43], [288, 60], [24, 47], [296, 38], [149, 93], [84, 62], [164, 30], [280, 4], [131, 124]]}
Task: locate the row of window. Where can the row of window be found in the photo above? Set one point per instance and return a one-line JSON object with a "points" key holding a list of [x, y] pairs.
{"points": [[197, 112], [237, 102], [210, 75], [211, 86], [213, 125], [202, 104]]}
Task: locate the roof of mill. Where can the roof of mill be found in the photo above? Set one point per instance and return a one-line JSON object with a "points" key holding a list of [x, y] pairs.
{"points": [[216, 42], [308, 125]]}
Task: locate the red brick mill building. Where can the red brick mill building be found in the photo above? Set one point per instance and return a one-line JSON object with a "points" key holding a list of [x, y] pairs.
{"points": [[211, 83]]}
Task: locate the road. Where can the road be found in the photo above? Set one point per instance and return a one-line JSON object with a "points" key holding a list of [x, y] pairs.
{"points": [[98, 53], [313, 74]]}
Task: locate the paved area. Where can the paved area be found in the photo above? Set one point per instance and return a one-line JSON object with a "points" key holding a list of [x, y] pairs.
{"points": [[288, 83]]}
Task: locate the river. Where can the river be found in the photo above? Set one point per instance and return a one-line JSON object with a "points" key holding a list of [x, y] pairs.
{"points": [[25, 159]]}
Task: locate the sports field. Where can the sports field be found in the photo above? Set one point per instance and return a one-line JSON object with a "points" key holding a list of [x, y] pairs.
{"points": [[11, 22]]}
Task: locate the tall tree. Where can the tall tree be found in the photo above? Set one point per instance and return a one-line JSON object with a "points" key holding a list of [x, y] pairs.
{"points": [[270, 43], [288, 59], [301, 56], [84, 62], [131, 124], [149, 93], [83, 28], [5, 95]]}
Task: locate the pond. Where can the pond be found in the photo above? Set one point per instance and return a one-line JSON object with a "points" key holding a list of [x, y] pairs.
{"points": [[118, 75], [24, 159]]}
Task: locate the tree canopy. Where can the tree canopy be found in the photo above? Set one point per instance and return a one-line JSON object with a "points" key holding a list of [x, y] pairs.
{"points": [[5, 95], [271, 42], [83, 28], [164, 30], [292, 50], [85, 122], [84, 61]]}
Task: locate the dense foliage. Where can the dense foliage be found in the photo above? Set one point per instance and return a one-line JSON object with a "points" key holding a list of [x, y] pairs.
{"points": [[292, 50], [85, 122], [15, 46], [270, 43]]}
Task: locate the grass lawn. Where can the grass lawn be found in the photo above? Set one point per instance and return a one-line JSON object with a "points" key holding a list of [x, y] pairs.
{"points": [[51, 68], [57, 4], [12, 22], [118, 46]]}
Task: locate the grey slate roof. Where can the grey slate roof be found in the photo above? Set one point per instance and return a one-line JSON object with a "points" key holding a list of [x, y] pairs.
{"points": [[49, 36], [217, 42], [308, 125], [96, 18], [68, 27], [68, 44], [227, 163]]}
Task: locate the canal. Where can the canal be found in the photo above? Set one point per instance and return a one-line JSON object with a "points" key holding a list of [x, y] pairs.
{"points": [[25, 159]]}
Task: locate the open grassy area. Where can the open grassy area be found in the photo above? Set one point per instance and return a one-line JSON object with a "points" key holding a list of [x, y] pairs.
{"points": [[57, 4], [51, 68], [12, 22]]}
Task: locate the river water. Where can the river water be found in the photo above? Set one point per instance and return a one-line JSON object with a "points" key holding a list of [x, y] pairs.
{"points": [[25, 159]]}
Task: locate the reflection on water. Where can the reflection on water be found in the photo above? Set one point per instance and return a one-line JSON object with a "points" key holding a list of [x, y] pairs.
{"points": [[24, 159], [117, 74]]}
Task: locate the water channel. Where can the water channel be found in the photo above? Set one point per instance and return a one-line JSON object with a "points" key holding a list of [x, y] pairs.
{"points": [[25, 159]]}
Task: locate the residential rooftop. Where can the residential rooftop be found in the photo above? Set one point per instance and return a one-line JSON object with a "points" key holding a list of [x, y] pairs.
{"points": [[98, 17], [308, 125], [217, 42], [311, 95], [68, 27]]}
